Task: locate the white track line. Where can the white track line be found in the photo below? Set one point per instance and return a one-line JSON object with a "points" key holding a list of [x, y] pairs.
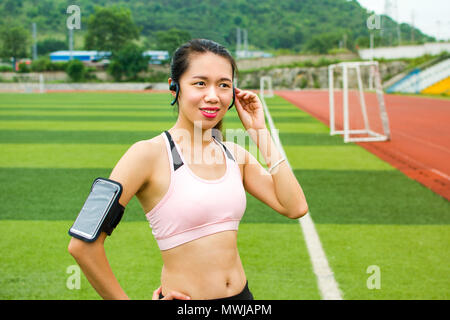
{"points": [[443, 175], [329, 289]]}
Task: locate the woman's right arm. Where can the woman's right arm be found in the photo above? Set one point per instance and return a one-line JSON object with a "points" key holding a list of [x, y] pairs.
{"points": [[91, 258], [132, 172]]}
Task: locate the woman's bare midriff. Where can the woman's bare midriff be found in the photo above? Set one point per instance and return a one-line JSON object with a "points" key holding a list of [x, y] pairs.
{"points": [[206, 268]]}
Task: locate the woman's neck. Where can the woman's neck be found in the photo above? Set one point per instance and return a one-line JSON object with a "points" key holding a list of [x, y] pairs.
{"points": [[194, 136]]}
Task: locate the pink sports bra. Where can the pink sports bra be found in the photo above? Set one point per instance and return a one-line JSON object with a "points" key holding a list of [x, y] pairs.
{"points": [[194, 207]]}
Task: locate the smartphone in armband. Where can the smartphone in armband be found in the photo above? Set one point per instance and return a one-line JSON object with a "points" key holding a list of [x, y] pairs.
{"points": [[100, 212]]}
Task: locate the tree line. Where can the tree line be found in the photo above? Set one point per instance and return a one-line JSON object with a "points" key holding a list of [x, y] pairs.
{"points": [[128, 27]]}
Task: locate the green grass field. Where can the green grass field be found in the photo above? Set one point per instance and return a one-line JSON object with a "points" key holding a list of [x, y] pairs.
{"points": [[366, 212]]}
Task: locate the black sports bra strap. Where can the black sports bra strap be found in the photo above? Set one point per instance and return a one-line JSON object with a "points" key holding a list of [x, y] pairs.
{"points": [[229, 155], [177, 162]]}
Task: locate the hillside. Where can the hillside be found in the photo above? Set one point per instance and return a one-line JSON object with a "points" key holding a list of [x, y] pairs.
{"points": [[271, 24]]}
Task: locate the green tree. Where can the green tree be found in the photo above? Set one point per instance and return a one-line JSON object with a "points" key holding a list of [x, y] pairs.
{"points": [[322, 43], [271, 24], [49, 45], [128, 62], [76, 70], [14, 41], [109, 29], [170, 40], [12, 6]]}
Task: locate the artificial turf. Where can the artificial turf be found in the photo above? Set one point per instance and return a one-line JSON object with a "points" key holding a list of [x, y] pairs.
{"points": [[366, 212]]}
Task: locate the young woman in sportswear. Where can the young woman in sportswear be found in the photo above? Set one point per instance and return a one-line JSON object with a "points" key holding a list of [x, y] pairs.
{"points": [[193, 189]]}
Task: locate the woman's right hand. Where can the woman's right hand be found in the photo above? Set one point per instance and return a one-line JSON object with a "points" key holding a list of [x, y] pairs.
{"points": [[170, 296]]}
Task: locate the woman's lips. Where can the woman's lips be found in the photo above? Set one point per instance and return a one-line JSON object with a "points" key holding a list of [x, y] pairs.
{"points": [[209, 115]]}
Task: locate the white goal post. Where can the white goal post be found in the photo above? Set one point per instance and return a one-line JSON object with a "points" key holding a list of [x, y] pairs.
{"points": [[269, 93], [31, 82], [365, 134]]}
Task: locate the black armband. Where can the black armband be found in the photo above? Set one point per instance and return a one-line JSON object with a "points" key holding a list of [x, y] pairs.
{"points": [[100, 212]]}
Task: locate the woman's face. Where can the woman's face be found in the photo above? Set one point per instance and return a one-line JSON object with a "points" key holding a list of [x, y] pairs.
{"points": [[206, 84]]}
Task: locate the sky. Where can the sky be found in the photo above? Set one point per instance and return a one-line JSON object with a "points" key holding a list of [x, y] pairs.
{"points": [[427, 14]]}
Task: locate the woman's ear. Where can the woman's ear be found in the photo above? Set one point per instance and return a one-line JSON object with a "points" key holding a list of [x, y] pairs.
{"points": [[171, 85]]}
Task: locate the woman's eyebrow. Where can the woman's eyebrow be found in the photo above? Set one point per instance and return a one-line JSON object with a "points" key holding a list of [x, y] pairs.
{"points": [[206, 78]]}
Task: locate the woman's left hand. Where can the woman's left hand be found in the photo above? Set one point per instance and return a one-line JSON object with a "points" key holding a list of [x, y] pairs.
{"points": [[250, 109]]}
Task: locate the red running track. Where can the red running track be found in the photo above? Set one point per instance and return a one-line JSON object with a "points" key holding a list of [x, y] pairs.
{"points": [[420, 132]]}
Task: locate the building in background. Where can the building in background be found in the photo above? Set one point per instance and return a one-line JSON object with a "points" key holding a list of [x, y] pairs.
{"points": [[91, 56], [87, 56], [156, 56], [252, 54], [414, 51]]}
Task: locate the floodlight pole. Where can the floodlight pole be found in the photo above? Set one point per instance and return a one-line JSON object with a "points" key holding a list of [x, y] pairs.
{"points": [[70, 43], [34, 41], [399, 34], [238, 42], [246, 43]]}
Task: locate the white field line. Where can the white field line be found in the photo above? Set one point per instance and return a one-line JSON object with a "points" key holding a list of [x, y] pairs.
{"points": [[329, 289]]}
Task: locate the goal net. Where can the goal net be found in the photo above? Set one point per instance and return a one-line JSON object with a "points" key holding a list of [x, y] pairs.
{"points": [[30, 82], [358, 115]]}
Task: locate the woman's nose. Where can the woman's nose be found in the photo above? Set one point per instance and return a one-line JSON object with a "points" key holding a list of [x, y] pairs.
{"points": [[211, 95]]}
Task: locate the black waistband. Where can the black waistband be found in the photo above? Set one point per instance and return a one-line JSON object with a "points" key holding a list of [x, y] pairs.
{"points": [[245, 294]]}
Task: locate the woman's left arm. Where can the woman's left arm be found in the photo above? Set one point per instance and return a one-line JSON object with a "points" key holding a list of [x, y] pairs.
{"points": [[279, 188]]}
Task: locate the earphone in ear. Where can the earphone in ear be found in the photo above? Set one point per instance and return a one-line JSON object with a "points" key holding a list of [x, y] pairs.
{"points": [[174, 87], [234, 97]]}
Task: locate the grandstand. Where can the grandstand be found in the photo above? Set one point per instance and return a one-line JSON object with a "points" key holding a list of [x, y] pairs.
{"points": [[441, 87], [419, 80]]}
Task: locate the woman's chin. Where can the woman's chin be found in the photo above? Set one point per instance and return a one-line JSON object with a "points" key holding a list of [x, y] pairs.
{"points": [[205, 124]]}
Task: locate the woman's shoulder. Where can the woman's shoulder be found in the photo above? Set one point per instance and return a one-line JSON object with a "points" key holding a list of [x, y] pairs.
{"points": [[142, 155], [147, 149], [136, 167]]}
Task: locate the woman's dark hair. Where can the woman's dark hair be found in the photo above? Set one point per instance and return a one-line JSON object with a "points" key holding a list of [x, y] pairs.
{"points": [[180, 62]]}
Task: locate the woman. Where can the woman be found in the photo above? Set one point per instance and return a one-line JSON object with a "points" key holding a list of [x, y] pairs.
{"points": [[193, 204]]}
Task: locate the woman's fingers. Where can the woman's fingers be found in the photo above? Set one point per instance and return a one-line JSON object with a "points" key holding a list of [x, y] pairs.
{"points": [[243, 94], [176, 295], [156, 293], [170, 296]]}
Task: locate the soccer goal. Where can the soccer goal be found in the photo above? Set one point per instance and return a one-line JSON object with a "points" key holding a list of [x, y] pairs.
{"points": [[265, 82], [366, 122], [31, 82]]}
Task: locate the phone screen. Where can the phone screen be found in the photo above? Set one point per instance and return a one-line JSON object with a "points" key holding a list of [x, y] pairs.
{"points": [[94, 209]]}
